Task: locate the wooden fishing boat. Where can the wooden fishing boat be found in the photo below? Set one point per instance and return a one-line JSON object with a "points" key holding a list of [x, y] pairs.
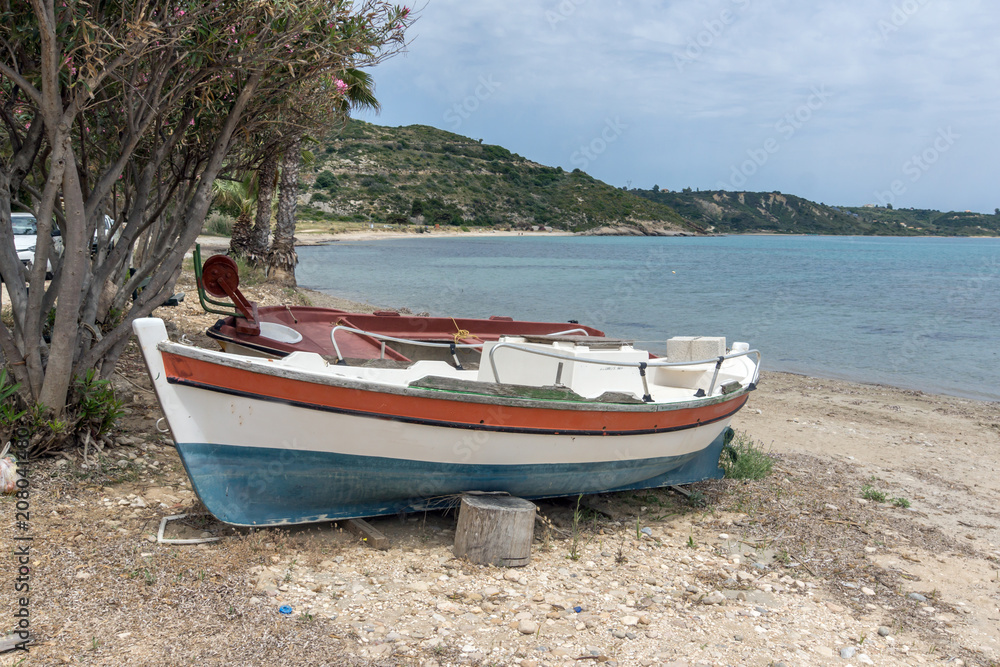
{"points": [[303, 439]]}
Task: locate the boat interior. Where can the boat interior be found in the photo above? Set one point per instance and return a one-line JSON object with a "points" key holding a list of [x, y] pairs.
{"points": [[560, 367]]}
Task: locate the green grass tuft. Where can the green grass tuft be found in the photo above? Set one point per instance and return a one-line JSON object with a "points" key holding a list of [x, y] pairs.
{"points": [[869, 492], [745, 458]]}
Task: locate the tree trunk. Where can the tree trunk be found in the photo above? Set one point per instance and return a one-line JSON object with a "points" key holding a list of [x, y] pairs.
{"points": [[257, 248], [65, 329], [281, 258], [241, 237]]}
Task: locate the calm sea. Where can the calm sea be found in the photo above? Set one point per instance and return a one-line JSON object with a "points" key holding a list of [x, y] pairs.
{"points": [[917, 313]]}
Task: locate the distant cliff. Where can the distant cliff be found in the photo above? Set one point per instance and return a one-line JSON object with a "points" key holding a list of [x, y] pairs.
{"points": [[721, 211]]}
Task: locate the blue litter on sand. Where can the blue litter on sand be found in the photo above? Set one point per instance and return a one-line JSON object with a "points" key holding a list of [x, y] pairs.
{"points": [[578, 609], [285, 609]]}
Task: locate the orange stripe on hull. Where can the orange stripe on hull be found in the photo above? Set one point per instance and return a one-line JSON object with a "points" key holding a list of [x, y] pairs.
{"points": [[454, 412]]}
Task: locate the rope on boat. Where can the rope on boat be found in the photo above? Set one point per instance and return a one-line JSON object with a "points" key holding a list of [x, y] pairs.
{"points": [[461, 333]]}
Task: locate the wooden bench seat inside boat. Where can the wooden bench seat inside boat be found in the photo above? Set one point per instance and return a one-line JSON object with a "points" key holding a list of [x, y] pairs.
{"points": [[550, 392]]}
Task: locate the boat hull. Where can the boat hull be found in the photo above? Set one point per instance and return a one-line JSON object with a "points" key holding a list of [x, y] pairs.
{"points": [[275, 442], [257, 486], [269, 459]]}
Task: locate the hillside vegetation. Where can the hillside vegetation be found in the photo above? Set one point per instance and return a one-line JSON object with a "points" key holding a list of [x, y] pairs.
{"points": [[930, 222], [419, 174], [720, 211]]}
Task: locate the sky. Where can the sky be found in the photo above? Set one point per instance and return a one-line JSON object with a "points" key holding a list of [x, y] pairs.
{"points": [[845, 102]]}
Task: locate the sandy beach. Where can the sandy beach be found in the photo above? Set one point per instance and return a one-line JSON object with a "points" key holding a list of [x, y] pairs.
{"points": [[796, 569], [310, 237]]}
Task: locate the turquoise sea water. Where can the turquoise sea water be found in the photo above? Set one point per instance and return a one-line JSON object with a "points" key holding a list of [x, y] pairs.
{"points": [[921, 313]]}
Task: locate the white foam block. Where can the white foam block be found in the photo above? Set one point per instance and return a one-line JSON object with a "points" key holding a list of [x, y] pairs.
{"points": [[695, 348], [679, 348], [707, 347]]}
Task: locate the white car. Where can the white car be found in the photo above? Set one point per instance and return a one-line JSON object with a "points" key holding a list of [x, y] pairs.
{"points": [[25, 229]]}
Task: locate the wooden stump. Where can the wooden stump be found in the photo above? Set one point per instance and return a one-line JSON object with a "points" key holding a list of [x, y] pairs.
{"points": [[495, 530]]}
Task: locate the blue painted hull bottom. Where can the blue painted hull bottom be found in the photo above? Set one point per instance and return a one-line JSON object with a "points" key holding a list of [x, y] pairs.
{"points": [[252, 486]]}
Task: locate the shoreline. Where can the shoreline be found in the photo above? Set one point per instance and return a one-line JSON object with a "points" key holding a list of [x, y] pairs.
{"points": [[306, 238], [321, 238], [324, 238], [929, 391]]}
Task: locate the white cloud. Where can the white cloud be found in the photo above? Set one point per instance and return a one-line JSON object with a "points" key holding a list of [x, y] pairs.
{"points": [[701, 82]]}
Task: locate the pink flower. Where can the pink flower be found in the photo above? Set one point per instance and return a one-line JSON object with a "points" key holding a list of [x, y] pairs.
{"points": [[340, 86]]}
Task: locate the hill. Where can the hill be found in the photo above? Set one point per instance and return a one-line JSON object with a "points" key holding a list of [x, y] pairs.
{"points": [[935, 223], [419, 174], [721, 211]]}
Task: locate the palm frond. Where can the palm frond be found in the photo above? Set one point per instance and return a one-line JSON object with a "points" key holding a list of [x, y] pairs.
{"points": [[360, 90], [240, 195]]}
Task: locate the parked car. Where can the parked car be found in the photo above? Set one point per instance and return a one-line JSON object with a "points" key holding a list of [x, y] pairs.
{"points": [[25, 229]]}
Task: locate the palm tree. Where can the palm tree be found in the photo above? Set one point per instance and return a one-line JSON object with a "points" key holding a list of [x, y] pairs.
{"points": [[357, 91], [267, 175], [238, 195], [282, 258]]}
